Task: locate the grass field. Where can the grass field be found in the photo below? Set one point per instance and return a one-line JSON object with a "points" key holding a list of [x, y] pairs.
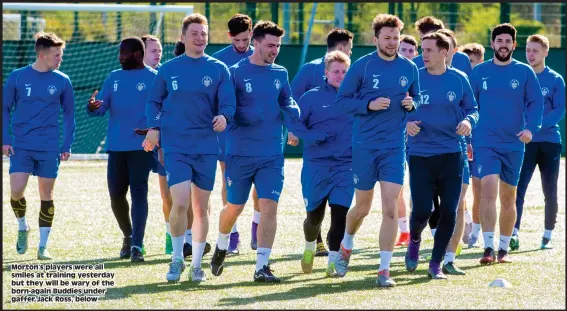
{"points": [[85, 231]]}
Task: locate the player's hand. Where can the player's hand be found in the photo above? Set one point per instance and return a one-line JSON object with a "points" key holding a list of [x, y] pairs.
{"points": [[525, 136], [464, 128], [380, 103], [93, 103], [292, 140], [470, 153], [141, 131], [407, 102], [7, 150], [151, 140], [65, 156], [412, 127], [219, 123]]}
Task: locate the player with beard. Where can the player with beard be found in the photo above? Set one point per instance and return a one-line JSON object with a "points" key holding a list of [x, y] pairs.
{"points": [[511, 109], [379, 89]]}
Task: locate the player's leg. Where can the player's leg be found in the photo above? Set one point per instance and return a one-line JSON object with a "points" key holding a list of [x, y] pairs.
{"points": [[511, 166], [234, 241], [204, 171], [528, 167], [140, 164], [311, 228], [402, 221], [165, 199], [475, 228], [118, 181], [21, 166], [255, 220], [549, 168], [434, 218], [449, 266]]}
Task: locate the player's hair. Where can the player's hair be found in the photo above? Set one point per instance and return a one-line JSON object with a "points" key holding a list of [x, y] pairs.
{"points": [[505, 28], [450, 34], [336, 56], [45, 40], [541, 40], [146, 38], [134, 44], [239, 23], [409, 39], [179, 48], [263, 28], [428, 24], [193, 18], [441, 40], [338, 35], [386, 20], [473, 49]]}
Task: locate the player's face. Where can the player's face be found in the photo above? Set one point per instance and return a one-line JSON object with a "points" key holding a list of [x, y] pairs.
{"points": [[126, 57], [407, 50], [241, 41], [433, 57], [535, 53], [336, 73], [52, 57], [503, 46], [450, 53], [475, 60], [269, 48], [388, 41], [196, 38], [152, 54], [345, 48]]}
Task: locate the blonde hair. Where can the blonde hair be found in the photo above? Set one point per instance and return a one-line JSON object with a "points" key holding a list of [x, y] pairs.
{"points": [[336, 56], [541, 40]]}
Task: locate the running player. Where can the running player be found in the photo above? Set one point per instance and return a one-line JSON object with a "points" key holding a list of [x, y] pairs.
{"points": [[123, 95], [239, 32], [511, 108], [448, 111], [312, 75], [327, 161], [37, 93], [545, 148], [254, 148], [378, 89], [192, 99]]}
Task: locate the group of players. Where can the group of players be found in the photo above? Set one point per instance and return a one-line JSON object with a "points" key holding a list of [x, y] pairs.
{"points": [[359, 124]]}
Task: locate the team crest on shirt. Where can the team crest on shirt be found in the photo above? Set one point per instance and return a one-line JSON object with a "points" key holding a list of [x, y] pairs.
{"points": [[51, 89], [514, 83], [355, 179], [403, 81], [451, 96], [140, 86], [544, 91], [207, 81], [277, 84]]}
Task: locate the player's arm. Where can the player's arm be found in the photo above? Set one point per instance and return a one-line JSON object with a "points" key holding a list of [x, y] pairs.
{"points": [[413, 91], [9, 95], [156, 95], [469, 107], [299, 128], [475, 85], [226, 99], [467, 67], [534, 102], [287, 104], [350, 86], [557, 104], [99, 102], [301, 82], [68, 105]]}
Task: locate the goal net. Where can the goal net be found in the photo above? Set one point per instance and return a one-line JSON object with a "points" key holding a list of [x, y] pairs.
{"points": [[92, 33]]}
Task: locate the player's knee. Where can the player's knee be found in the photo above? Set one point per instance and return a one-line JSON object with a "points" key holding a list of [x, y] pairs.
{"points": [[17, 193], [390, 213]]}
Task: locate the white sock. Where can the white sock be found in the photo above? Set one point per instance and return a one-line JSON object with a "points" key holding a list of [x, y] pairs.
{"points": [[433, 232], [167, 228], [234, 228], [22, 224], [547, 234], [43, 236], [262, 258], [310, 246], [468, 217], [449, 257], [504, 242], [188, 236], [385, 258], [256, 217], [348, 241], [475, 229], [332, 257], [198, 249], [403, 224], [222, 241], [488, 239], [177, 243], [515, 232]]}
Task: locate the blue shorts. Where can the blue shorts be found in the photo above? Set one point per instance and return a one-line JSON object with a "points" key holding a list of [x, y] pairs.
{"points": [[43, 164], [267, 174], [222, 143], [320, 182], [507, 164], [198, 168], [158, 167], [370, 166]]}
